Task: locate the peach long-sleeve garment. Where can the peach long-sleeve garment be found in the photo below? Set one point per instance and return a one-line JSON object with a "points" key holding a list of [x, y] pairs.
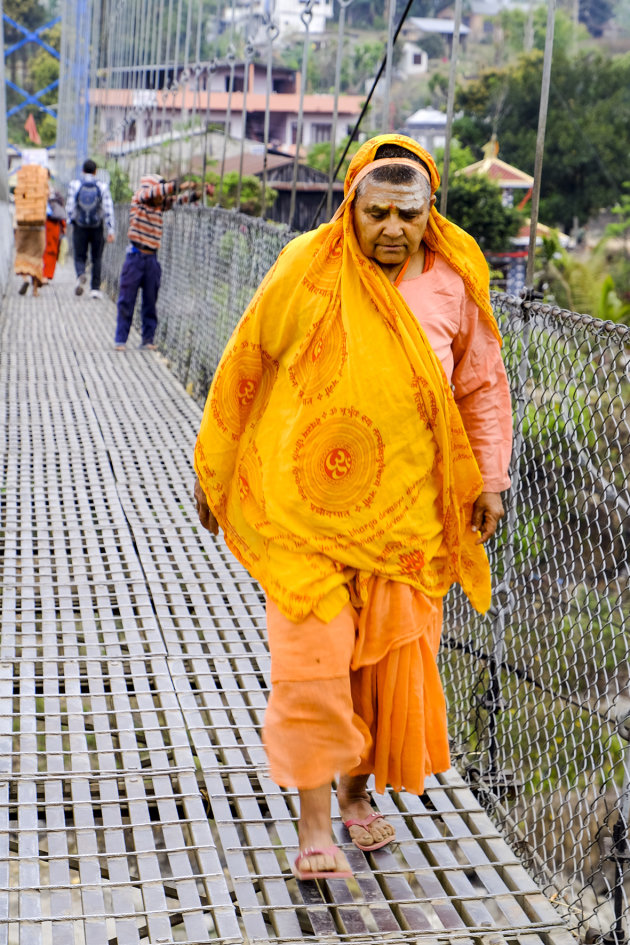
{"points": [[470, 355]]}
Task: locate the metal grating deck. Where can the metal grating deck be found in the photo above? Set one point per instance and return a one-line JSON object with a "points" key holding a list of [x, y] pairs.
{"points": [[135, 806]]}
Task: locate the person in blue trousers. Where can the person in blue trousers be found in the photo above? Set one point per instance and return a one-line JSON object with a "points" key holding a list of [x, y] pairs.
{"points": [[141, 268]]}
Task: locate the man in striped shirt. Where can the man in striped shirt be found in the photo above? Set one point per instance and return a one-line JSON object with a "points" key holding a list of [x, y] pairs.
{"points": [[141, 269]]}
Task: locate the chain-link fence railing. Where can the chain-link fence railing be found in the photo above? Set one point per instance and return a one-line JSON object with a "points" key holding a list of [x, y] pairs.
{"points": [[538, 688]]}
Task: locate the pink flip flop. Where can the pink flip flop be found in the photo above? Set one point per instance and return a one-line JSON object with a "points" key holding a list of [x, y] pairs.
{"points": [[321, 874], [365, 823]]}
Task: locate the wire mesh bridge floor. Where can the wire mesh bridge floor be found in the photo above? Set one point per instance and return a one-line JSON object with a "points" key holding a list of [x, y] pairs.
{"points": [[135, 806]]}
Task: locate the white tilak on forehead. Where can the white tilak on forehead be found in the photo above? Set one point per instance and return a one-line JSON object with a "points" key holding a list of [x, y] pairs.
{"points": [[385, 196], [366, 171]]}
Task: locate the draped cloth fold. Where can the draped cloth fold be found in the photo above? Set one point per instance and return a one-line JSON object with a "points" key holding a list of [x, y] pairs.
{"points": [[363, 692], [331, 444]]}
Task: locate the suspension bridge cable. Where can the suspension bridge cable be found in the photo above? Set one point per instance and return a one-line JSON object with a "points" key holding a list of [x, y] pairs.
{"points": [[167, 55], [272, 34], [366, 105], [197, 79], [540, 142], [306, 16], [450, 106], [343, 4], [249, 56], [176, 85], [230, 57], [391, 13]]}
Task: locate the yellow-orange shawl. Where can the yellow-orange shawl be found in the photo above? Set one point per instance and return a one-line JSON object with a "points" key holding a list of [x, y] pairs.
{"points": [[331, 447]]}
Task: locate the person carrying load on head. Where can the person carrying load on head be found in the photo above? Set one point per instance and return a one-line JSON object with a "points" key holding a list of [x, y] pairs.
{"points": [[89, 205], [353, 450], [31, 193]]}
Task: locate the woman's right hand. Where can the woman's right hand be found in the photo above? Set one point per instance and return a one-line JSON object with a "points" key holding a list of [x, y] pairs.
{"points": [[206, 517]]}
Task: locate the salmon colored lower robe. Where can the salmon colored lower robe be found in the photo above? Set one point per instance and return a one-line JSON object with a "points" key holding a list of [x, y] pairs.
{"points": [[359, 694]]}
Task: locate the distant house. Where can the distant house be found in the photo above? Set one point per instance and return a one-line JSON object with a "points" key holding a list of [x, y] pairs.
{"points": [[480, 15], [311, 186], [516, 186], [516, 189], [136, 115], [414, 61], [250, 15], [418, 26], [427, 126]]}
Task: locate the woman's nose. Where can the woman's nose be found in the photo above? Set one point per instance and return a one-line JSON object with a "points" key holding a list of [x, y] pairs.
{"points": [[392, 223]]}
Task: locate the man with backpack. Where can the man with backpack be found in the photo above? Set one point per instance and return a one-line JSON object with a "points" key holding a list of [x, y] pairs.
{"points": [[88, 206]]}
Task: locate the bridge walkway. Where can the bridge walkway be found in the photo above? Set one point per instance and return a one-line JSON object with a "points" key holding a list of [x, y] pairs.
{"points": [[135, 804]]}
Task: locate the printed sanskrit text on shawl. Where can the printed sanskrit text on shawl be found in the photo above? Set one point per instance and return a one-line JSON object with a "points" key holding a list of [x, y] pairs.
{"points": [[331, 448]]}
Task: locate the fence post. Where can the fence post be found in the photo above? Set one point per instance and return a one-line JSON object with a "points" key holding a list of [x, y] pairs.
{"points": [[620, 853], [493, 778], [6, 239]]}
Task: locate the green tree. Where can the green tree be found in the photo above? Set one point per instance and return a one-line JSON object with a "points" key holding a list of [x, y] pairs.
{"points": [[514, 31], [460, 157], [47, 130], [366, 58], [43, 68], [119, 185], [250, 193], [586, 155], [474, 203], [619, 257]]}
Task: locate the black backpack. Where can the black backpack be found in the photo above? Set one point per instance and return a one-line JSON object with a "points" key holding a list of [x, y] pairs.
{"points": [[87, 210]]}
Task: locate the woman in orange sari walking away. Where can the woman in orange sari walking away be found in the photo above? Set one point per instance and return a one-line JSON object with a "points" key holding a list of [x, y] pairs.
{"points": [[55, 230], [353, 448]]}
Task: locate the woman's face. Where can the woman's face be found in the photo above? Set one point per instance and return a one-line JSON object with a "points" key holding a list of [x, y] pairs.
{"points": [[390, 220]]}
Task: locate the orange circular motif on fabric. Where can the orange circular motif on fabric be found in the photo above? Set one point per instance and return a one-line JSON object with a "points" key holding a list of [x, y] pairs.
{"points": [[339, 463], [322, 273], [322, 362], [242, 388]]}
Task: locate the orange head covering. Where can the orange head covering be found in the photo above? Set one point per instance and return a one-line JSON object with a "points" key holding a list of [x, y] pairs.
{"points": [[457, 247]]}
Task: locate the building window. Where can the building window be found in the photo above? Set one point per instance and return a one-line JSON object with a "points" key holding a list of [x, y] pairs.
{"points": [[321, 131], [237, 85], [417, 59]]}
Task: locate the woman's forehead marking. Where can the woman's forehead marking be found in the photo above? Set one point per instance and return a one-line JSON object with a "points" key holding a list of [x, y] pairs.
{"points": [[387, 196]]}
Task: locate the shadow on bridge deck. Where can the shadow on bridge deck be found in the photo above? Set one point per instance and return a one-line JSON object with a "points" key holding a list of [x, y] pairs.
{"points": [[135, 806]]}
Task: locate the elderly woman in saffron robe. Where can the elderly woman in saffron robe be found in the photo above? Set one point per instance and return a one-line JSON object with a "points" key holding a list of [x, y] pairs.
{"points": [[353, 448]]}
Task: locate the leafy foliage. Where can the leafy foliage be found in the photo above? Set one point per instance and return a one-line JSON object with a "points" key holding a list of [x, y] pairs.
{"points": [[474, 203], [586, 153], [251, 196], [119, 185]]}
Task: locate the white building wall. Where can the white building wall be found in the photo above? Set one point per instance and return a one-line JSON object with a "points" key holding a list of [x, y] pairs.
{"points": [[286, 14]]}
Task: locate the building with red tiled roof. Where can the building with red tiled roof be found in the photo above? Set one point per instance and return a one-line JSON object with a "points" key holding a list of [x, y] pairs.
{"points": [[516, 188], [128, 115], [513, 182]]}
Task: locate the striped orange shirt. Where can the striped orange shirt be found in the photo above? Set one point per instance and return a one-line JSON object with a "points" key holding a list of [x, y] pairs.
{"points": [[145, 216]]}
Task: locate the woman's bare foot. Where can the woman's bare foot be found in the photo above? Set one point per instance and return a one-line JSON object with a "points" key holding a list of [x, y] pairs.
{"points": [[315, 832], [354, 804]]}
